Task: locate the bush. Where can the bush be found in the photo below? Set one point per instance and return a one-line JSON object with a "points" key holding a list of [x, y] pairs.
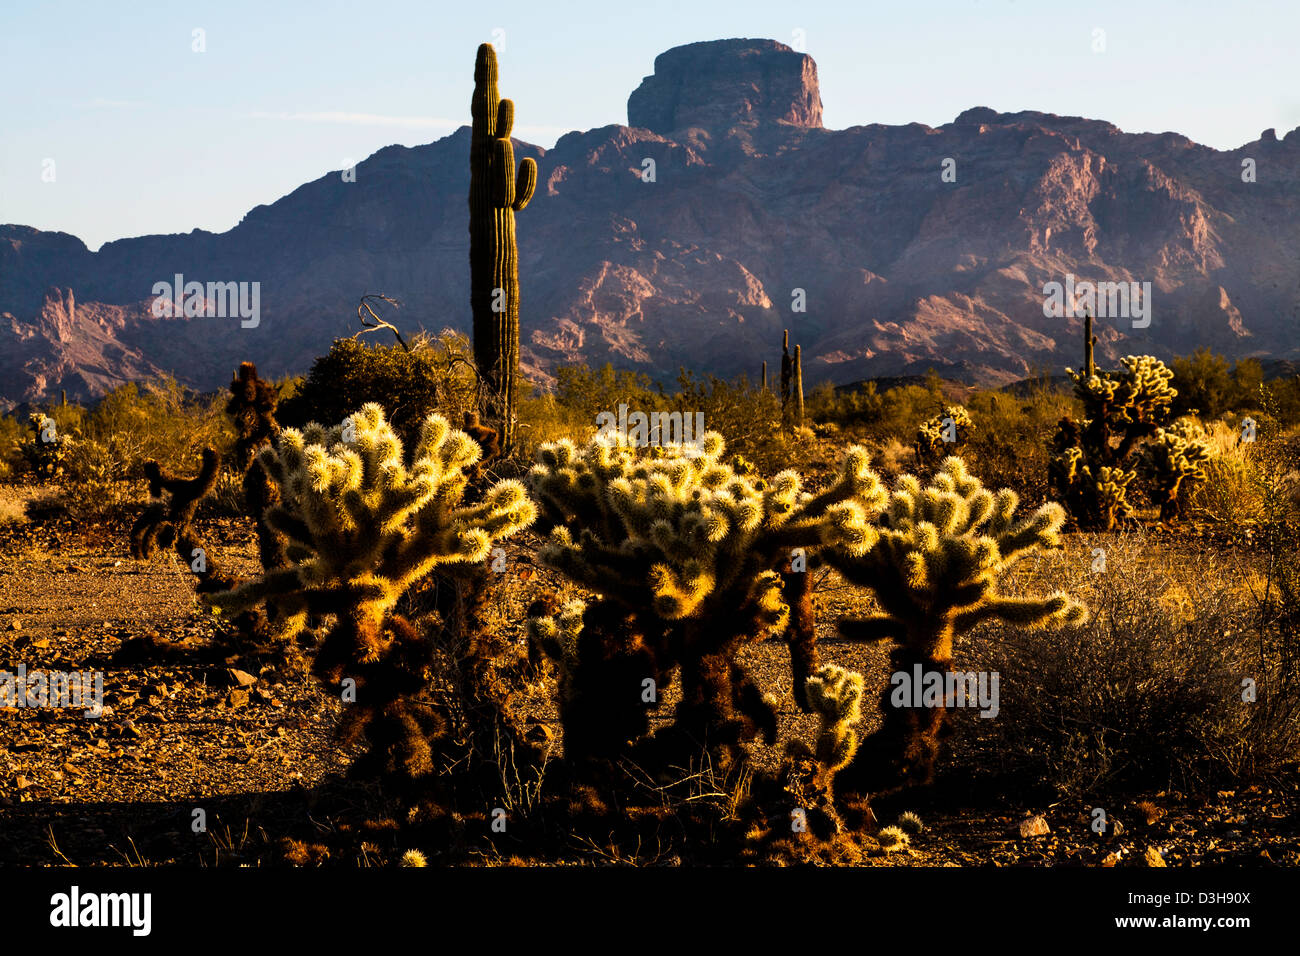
{"points": [[1147, 695], [435, 374]]}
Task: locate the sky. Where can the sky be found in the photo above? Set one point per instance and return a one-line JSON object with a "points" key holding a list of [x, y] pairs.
{"points": [[114, 124]]}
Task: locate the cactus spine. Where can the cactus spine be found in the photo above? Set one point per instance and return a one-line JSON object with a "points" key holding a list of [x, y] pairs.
{"points": [[495, 195]]}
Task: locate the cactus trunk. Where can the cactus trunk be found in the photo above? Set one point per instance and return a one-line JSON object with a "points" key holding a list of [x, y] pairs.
{"points": [[495, 195], [1089, 340], [797, 387]]}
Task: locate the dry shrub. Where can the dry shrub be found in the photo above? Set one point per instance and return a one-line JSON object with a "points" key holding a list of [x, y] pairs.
{"points": [[1148, 693]]}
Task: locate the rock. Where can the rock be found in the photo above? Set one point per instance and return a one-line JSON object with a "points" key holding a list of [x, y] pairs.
{"points": [[1152, 857], [237, 698], [240, 678], [21, 782], [15, 625], [721, 83], [1035, 826]]}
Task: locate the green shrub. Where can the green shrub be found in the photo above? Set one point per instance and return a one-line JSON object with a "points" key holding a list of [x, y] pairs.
{"points": [[435, 374]]}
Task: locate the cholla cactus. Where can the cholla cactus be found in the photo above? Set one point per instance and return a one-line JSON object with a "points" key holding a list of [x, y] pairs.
{"points": [[936, 572], [943, 433], [361, 528], [252, 407], [170, 522], [1173, 461], [46, 452], [686, 556], [1097, 457], [836, 696]]}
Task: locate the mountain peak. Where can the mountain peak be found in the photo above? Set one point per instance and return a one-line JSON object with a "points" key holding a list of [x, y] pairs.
{"points": [[720, 84]]}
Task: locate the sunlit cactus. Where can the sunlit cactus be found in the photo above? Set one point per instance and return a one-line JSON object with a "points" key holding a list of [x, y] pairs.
{"points": [[495, 195], [687, 557], [361, 528], [936, 572], [1172, 462], [1096, 457], [940, 436], [835, 695]]}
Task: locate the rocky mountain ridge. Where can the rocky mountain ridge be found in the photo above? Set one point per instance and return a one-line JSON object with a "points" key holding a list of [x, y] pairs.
{"points": [[884, 249]]}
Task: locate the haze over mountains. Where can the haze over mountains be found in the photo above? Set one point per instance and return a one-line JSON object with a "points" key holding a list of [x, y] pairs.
{"points": [[751, 199]]}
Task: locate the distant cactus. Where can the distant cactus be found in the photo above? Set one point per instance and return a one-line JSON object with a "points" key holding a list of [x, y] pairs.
{"points": [[362, 528], [252, 406], [792, 408], [1096, 458], [46, 453], [936, 572], [942, 435], [1172, 461], [686, 556], [495, 195]]}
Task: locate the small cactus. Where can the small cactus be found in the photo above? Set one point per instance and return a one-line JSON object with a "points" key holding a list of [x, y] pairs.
{"points": [[893, 839], [910, 823], [940, 436], [835, 695]]}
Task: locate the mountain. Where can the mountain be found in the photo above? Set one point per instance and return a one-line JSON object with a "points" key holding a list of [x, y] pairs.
{"points": [[752, 206]]}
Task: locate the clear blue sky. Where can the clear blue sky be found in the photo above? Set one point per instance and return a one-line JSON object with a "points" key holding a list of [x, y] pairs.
{"points": [[148, 136]]}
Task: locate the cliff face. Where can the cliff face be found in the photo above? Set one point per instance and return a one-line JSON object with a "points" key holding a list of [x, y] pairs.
{"points": [[752, 207], [724, 83]]}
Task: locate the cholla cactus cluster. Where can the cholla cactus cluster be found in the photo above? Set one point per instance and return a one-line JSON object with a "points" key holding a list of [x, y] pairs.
{"points": [[936, 572], [45, 454], [362, 527], [1098, 457], [1172, 461], [686, 556], [939, 436]]}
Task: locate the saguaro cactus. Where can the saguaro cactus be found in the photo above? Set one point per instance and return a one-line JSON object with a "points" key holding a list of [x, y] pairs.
{"points": [[936, 571], [796, 387], [495, 195]]}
